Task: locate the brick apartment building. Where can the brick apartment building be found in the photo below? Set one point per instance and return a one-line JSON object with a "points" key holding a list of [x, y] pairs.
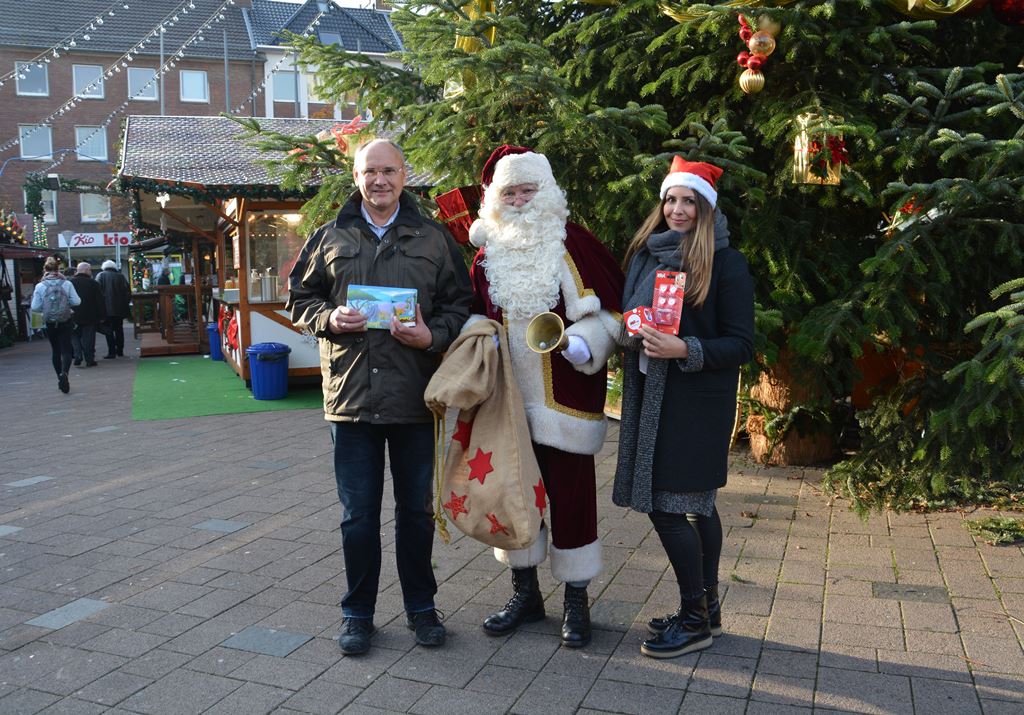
{"points": [[226, 71]]}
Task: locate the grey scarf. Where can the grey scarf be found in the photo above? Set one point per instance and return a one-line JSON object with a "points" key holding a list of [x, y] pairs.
{"points": [[663, 252]]}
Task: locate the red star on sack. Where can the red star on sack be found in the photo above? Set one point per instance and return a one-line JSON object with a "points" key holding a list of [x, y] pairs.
{"points": [[462, 432], [456, 505], [496, 525], [541, 501], [480, 465]]}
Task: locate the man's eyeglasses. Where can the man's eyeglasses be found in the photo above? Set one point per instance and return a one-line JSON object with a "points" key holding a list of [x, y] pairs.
{"points": [[388, 173]]}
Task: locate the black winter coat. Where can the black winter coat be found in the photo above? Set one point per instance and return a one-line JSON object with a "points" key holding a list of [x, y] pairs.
{"points": [[675, 437], [92, 309], [116, 293]]}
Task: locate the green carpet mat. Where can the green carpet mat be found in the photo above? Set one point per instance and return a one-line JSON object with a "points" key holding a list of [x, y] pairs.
{"points": [[191, 385]]}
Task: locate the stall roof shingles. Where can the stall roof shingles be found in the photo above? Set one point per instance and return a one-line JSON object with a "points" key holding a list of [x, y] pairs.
{"points": [[361, 30], [208, 151], [202, 150], [41, 24]]}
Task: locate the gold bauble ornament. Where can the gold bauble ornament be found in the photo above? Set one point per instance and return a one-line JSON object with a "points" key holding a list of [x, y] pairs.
{"points": [[751, 81], [768, 24], [761, 43]]}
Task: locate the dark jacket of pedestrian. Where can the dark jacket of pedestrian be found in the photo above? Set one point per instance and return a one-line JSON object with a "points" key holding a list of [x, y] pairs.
{"points": [[116, 293], [92, 309], [369, 376]]}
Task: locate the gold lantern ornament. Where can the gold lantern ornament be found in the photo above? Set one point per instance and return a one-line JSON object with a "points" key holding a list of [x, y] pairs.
{"points": [[751, 81], [818, 153]]}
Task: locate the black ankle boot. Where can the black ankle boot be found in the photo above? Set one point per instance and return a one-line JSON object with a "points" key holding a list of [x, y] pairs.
{"points": [[576, 618], [525, 606], [688, 631], [714, 609]]}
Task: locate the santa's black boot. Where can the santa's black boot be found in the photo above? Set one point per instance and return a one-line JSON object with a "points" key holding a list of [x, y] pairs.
{"points": [[576, 618], [525, 606]]}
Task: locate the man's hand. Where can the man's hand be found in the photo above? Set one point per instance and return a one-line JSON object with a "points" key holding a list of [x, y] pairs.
{"points": [[346, 320], [417, 336], [663, 345]]}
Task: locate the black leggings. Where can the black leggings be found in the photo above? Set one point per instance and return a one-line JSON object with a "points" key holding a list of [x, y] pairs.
{"points": [[693, 552], [59, 335]]}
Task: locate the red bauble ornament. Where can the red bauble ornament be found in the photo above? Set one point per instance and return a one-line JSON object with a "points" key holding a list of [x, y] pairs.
{"points": [[755, 62], [742, 58], [746, 33], [1009, 12]]}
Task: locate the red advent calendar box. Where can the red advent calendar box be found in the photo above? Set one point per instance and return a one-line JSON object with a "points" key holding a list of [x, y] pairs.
{"points": [[667, 303], [457, 210]]}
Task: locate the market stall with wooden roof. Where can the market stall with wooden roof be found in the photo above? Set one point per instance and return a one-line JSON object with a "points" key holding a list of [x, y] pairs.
{"points": [[199, 188]]}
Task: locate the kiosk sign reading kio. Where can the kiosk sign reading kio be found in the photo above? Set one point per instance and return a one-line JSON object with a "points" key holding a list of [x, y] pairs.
{"points": [[94, 240]]}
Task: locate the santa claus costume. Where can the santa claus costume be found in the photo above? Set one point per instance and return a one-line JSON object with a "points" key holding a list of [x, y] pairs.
{"points": [[532, 261]]}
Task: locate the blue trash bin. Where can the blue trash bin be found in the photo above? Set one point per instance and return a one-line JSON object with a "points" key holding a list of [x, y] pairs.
{"points": [[214, 333], [268, 365]]}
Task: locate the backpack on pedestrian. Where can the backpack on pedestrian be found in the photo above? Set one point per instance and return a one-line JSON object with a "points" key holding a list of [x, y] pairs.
{"points": [[56, 302]]}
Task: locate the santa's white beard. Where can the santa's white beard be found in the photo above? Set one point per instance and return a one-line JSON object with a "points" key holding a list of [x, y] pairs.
{"points": [[522, 259]]}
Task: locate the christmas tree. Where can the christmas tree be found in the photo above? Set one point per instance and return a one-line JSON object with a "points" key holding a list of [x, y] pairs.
{"points": [[873, 157]]}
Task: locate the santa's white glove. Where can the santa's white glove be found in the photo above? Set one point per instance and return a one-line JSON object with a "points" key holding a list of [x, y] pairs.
{"points": [[577, 352]]}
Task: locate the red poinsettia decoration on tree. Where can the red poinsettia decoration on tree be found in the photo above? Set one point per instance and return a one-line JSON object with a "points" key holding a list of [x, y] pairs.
{"points": [[826, 154]]}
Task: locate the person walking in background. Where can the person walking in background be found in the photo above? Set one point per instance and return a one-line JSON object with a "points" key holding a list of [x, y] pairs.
{"points": [[373, 380], [88, 314], [117, 303], [54, 297], [531, 261], [679, 395]]}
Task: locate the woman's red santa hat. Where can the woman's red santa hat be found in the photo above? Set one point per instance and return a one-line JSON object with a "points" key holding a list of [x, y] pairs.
{"points": [[697, 175]]}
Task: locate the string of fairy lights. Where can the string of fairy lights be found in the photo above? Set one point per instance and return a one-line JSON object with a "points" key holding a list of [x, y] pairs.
{"points": [[68, 42], [122, 63], [277, 66]]}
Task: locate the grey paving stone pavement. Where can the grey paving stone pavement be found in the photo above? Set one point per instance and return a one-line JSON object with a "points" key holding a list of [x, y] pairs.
{"points": [[194, 566]]}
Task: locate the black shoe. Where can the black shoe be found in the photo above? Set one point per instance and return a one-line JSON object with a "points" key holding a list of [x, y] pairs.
{"points": [[120, 354], [62, 383], [76, 362], [354, 637], [688, 631], [658, 625], [428, 628], [525, 606], [576, 618], [110, 357], [90, 363]]}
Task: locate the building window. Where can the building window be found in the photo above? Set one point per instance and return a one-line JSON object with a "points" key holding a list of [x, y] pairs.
{"points": [[49, 199], [32, 80], [142, 84], [329, 38], [284, 86], [193, 86], [88, 81], [36, 141], [95, 208], [91, 143]]}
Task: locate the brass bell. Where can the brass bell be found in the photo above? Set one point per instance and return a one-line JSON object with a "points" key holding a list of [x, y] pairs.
{"points": [[546, 333]]}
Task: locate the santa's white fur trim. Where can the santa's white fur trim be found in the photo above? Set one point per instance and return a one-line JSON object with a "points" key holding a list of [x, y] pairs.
{"points": [[534, 555], [579, 564], [528, 168], [689, 181]]}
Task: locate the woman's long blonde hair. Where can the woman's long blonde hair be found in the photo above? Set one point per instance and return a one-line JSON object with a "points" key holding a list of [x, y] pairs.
{"points": [[698, 246]]}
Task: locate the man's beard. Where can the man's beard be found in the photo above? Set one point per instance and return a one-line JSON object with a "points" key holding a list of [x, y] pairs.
{"points": [[523, 259]]}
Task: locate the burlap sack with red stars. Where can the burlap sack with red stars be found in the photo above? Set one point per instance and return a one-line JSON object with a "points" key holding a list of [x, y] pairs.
{"points": [[490, 486]]}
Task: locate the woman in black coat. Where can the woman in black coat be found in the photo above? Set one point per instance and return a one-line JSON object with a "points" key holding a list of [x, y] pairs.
{"points": [[679, 395]]}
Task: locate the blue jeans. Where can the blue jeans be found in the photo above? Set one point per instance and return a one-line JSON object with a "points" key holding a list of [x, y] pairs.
{"points": [[359, 473]]}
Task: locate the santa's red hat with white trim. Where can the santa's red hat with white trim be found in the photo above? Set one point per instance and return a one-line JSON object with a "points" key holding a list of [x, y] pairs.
{"points": [[697, 175]]}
